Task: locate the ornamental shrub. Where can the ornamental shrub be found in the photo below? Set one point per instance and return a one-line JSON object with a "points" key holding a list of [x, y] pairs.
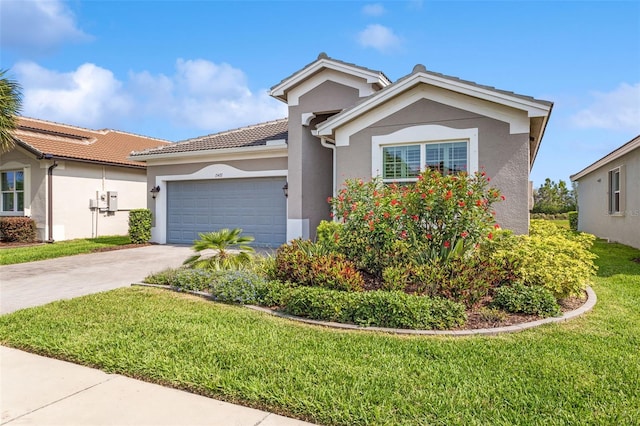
{"points": [[550, 257], [309, 264], [519, 298], [329, 234], [237, 286], [18, 229], [438, 217], [394, 309], [573, 220], [140, 226]]}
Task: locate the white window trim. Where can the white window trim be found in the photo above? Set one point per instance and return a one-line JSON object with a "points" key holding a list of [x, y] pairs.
{"points": [[26, 169], [621, 191], [425, 134]]}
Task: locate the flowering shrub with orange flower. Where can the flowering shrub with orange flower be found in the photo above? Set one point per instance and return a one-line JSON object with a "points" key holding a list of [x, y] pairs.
{"points": [[436, 218]]}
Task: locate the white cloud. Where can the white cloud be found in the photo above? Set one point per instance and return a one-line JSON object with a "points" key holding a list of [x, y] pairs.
{"points": [[37, 25], [375, 9], [200, 94], [87, 96], [615, 110], [379, 37], [204, 95]]}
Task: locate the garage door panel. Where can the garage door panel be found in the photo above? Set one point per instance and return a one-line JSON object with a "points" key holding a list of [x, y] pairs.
{"points": [[258, 206]]}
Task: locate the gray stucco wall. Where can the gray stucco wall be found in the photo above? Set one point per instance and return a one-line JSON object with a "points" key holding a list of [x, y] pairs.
{"points": [[593, 207], [310, 164], [504, 157], [153, 171]]}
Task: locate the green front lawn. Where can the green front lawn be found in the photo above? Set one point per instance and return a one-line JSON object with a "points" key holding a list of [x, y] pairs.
{"points": [[9, 256], [585, 371]]}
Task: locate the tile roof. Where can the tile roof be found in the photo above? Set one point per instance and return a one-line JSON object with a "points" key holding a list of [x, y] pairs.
{"points": [[76, 143], [323, 55], [254, 135]]}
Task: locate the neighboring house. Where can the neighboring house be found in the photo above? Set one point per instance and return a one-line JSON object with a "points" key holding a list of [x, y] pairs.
{"points": [[344, 121], [609, 195], [74, 182]]}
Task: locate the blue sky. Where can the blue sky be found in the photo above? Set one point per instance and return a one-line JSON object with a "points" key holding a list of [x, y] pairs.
{"points": [[180, 69]]}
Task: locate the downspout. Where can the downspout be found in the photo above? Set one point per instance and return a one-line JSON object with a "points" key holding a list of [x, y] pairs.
{"points": [[50, 195], [332, 147]]}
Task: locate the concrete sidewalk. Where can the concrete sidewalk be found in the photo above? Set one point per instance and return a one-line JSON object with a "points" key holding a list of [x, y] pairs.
{"points": [[35, 390]]}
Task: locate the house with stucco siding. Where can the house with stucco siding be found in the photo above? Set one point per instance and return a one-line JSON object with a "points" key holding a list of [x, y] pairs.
{"points": [[72, 181], [609, 195], [344, 121]]}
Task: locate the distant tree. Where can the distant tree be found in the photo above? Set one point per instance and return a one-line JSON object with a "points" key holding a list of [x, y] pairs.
{"points": [[552, 198], [10, 106]]}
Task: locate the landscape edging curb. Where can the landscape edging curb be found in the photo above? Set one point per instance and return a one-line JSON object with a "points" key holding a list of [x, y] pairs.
{"points": [[586, 307]]}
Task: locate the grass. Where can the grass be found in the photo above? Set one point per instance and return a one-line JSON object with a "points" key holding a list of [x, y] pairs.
{"points": [[585, 371], [9, 256], [562, 223]]}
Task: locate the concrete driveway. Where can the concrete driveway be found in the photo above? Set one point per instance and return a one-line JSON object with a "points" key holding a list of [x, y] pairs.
{"points": [[36, 283]]}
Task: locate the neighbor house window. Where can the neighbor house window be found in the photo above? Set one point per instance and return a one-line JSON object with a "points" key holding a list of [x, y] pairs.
{"points": [[404, 162], [12, 183], [614, 191]]}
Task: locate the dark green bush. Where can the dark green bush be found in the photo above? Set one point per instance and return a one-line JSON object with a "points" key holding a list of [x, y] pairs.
{"points": [[18, 229], [519, 298], [194, 279], [271, 293], [140, 226], [393, 309], [573, 220], [165, 277], [308, 264]]}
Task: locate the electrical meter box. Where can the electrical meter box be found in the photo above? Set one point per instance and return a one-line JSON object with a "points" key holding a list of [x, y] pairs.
{"points": [[112, 201]]}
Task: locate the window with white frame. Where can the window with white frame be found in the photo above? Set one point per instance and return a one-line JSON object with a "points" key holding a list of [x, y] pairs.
{"points": [[12, 186], [404, 162], [615, 191]]}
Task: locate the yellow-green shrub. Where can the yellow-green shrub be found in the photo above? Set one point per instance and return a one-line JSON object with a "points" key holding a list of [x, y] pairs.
{"points": [[554, 258]]}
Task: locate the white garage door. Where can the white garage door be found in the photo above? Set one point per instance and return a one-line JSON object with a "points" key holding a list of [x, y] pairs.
{"points": [[256, 205]]}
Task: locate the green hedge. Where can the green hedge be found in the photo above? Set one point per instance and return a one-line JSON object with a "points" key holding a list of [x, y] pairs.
{"points": [[526, 300], [17, 229], [573, 221], [393, 309], [140, 226]]}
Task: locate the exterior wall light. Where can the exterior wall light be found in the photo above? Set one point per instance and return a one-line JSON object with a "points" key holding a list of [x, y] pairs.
{"points": [[285, 189], [154, 191]]}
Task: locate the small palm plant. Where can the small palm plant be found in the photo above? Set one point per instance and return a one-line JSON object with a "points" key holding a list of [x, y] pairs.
{"points": [[222, 241]]}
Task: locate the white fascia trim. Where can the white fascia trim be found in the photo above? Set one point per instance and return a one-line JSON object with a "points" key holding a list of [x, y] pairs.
{"points": [[428, 133], [364, 88], [226, 154], [518, 120], [532, 109], [612, 156], [212, 172], [369, 76]]}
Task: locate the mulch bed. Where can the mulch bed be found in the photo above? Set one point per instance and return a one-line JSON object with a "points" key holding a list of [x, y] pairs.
{"points": [[476, 320]]}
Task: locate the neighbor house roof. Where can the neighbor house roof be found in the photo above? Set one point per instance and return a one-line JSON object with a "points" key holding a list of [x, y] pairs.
{"points": [[63, 141], [612, 156], [262, 134]]}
